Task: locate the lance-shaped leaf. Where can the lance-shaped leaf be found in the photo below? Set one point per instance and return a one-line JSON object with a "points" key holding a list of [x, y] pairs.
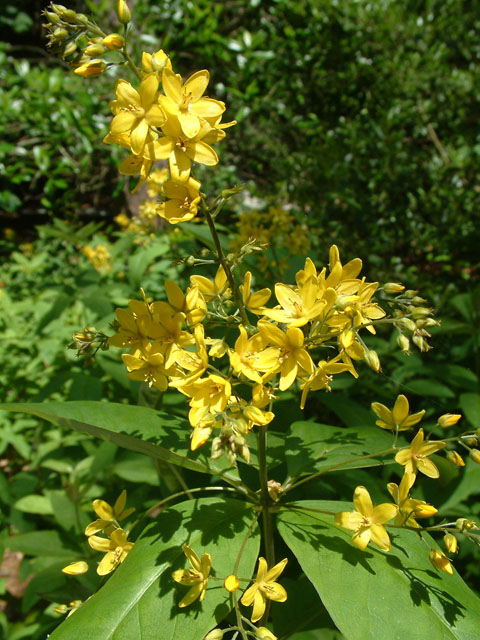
{"points": [[154, 433], [140, 600], [370, 594], [312, 447]]}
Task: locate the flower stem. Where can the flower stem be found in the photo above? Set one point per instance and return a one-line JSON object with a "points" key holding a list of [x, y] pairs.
{"points": [[225, 265], [265, 502]]}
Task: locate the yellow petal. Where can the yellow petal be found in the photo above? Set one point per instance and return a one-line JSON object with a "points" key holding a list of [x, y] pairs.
{"points": [[362, 501], [76, 568], [197, 84], [190, 124], [380, 537], [400, 409], [103, 509], [172, 85], [203, 154]]}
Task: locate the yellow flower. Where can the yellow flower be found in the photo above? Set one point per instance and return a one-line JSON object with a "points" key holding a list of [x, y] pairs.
{"points": [[250, 356], [109, 517], [148, 365], [292, 357], [136, 111], [183, 200], [155, 61], [185, 102], [264, 588], [398, 419], [253, 301], [367, 520], [298, 307], [409, 508], [211, 290], [415, 457], [322, 375], [116, 549], [196, 578]]}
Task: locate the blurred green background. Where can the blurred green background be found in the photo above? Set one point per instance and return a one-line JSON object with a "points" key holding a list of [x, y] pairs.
{"points": [[358, 118]]}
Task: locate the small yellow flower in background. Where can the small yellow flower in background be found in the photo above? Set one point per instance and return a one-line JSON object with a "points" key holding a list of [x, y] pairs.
{"points": [[449, 419], [116, 549], [109, 517], [98, 256], [196, 578], [231, 583], [264, 588], [440, 561], [415, 457], [367, 520], [397, 419], [76, 568], [71, 608], [409, 508], [183, 200]]}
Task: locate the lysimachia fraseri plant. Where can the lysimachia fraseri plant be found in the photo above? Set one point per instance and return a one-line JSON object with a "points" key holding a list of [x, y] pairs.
{"points": [[205, 562]]}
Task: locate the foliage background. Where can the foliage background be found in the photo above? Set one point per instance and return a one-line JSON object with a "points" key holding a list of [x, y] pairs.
{"points": [[359, 117]]}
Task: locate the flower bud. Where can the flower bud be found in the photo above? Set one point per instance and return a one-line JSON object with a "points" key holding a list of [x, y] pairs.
{"points": [[69, 49], [275, 490], [52, 17], [462, 524], [123, 12], [393, 287], [231, 583], [76, 568], [410, 293], [82, 19], [421, 343], [440, 561], [450, 542], [418, 300], [60, 33], [58, 8], [69, 15], [449, 419], [404, 343], [263, 633], [94, 50], [455, 458], [470, 441], [113, 41], [420, 312], [425, 510], [373, 361], [215, 634], [92, 68], [408, 324], [475, 455]]}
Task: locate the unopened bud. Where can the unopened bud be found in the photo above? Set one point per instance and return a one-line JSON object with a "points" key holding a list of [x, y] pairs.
{"points": [[190, 261], [426, 323], [410, 293], [69, 49], [58, 8], [425, 510], [470, 441], [215, 634], [113, 41], [475, 455], [62, 608], [462, 524], [76, 568], [60, 33], [90, 69], [420, 312], [421, 343], [404, 343], [231, 583], [440, 561], [455, 458], [52, 17], [373, 361], [94, 50], [263, 633], [69, 15], [82, 19], [123, 12], [449, 419], [418, 300], [450, 542], [391, 288], [275, 490], [408, 324]]}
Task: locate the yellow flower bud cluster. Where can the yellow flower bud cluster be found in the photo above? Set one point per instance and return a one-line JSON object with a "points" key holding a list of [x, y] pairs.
{"points": [[99, 256], [412, 318], [169, 346], [115, 546]]}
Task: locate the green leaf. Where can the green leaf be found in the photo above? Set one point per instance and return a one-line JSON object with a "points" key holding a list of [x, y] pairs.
{"points": [[142, 259], [153, 433], [431, 388], [141, 599], [34, 504], [42, 543], [370, 594], [470, 405], [467, 484], [314, 447]]}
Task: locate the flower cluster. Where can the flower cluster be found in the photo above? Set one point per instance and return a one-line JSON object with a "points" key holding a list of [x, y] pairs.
{"points": [[115, 545], [99, 256], [311, 334]]}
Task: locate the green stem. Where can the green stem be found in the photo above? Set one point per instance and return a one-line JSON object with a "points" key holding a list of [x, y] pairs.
{"points": [[225, 265], [128, 58], [265, 503], [336, 466]]}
